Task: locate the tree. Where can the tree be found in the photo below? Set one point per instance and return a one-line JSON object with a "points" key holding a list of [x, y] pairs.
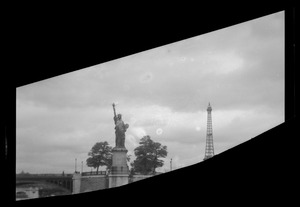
{"points": [[147, 156], [100, 155]]}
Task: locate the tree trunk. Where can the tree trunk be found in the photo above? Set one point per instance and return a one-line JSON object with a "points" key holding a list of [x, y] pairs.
{"points": [[97, 169]]}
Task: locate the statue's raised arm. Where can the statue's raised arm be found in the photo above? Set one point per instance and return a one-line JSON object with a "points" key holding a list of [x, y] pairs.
{"points": [[115, 115]]}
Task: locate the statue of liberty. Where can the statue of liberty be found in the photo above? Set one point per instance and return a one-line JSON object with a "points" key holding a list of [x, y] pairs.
{"points": [[120, 129]]}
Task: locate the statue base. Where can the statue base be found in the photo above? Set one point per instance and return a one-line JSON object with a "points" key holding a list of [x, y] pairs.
{"points": [[117, 180], [119, 171]]}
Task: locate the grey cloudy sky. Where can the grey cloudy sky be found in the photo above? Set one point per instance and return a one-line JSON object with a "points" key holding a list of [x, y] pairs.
{"points": [[164, 93]]}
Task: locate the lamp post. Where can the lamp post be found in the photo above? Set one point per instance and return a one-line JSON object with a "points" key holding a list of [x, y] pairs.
{"points": [[75, 165]]}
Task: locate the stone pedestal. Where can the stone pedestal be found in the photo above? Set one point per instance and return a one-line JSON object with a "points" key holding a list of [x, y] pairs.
{"points": [[119, 171], [76, 183]]}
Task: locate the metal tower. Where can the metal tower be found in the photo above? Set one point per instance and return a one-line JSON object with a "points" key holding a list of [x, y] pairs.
{"points": [[209, 149]]}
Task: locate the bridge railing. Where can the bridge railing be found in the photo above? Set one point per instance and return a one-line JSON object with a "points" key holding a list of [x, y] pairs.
{"points": [[93, 173], [42, 175]]}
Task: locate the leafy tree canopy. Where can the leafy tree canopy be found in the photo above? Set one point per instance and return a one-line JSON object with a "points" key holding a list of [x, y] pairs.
{"points": [[147, 156], [100, 155]]}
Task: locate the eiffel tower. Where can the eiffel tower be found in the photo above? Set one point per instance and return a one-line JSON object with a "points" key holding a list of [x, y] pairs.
{"points": [[209, 149]]}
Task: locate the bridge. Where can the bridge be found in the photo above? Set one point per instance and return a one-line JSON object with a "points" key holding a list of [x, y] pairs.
{"points": [[62, 180]]}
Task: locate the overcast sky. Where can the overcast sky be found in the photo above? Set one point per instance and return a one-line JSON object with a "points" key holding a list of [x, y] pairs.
{"points": [[164, 93]]}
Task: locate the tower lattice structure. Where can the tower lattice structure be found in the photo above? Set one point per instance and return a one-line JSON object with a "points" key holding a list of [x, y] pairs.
{"points": [[209, 148]]}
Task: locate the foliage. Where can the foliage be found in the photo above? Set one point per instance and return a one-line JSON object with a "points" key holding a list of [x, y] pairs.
{"points": [[100, 155], [147, 156]]}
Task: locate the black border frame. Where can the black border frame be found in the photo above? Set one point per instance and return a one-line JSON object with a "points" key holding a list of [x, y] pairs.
{"points": [[247, 171]]}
